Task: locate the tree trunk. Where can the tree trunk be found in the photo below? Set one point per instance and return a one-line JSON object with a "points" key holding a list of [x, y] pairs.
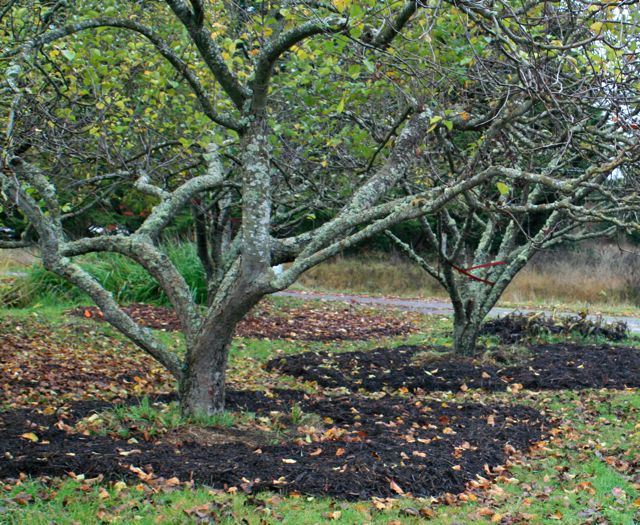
{"points": [[202, 390], [466, 329]]}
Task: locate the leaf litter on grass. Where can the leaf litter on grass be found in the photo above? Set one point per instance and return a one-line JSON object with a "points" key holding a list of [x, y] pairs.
{"points": [[305, 323], [585, 471]]}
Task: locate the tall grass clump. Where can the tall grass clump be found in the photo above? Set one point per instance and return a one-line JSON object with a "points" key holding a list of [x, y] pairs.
{"points": [[126, 280], [586, 273]]}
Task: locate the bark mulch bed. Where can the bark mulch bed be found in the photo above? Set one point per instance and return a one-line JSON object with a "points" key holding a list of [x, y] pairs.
{"points": [[558, 366], [369, 447], [303, 324], [517, 326]]}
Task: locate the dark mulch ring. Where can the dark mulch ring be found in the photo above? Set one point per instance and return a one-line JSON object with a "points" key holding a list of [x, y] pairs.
{"points": [[558, 366], [373, 447], [517, 326], [302, 324]]}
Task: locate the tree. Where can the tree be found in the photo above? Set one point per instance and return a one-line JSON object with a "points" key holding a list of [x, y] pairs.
{"points": [[268, 113], [244, 269], [564, 148]]}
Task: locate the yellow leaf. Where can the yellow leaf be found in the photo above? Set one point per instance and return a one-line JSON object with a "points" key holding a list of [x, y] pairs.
{"points": [[515, 388], [596, 27], [30, 436], [119, 486], [341, 5]]}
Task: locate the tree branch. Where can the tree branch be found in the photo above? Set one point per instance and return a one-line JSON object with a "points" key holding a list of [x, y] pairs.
{"points": [[210, 53], [277, 46]]}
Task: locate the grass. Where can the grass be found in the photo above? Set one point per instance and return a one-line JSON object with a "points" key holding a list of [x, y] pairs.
{"points": [[580, 473], [593, 277], [150, 418], [126, 280], [16, 260]]}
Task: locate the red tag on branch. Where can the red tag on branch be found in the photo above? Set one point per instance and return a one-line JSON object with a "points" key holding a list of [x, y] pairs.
{"points": [[473, 277]]}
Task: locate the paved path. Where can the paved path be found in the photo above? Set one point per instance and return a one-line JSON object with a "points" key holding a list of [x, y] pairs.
{"points": [[431, 307]]}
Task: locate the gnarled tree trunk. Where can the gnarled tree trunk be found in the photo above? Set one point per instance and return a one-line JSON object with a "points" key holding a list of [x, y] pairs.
{"points": [[202, 387]]}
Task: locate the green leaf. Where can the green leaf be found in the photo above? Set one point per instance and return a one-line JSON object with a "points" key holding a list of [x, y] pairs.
{"points": [[596, 27], [68, 54], [341, 5]]}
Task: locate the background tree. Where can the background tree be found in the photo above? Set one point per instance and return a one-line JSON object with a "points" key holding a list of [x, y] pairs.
{"points": [[566, 114]]}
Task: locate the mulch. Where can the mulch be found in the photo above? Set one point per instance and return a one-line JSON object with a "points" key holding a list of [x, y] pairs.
{"points": [[517, 326], [382, 447], [302, 324], [558, 366]]}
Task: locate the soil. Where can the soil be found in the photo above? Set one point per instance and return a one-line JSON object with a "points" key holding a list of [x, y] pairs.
{"points": [[559, 366], [303, 324], [370, 447]]}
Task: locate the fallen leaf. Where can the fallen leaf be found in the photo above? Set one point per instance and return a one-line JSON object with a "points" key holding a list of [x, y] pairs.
{"points": [[395, 487]]}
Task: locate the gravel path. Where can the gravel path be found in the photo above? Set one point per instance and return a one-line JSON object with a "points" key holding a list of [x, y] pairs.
{"points": [[431, 307]]}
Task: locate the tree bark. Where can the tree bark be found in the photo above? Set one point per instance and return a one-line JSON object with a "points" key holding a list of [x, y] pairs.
{"points": [[466, 329], [202, 390]]}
